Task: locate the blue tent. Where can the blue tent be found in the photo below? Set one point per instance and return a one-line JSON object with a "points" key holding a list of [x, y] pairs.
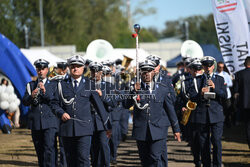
{"points": [[209, 50], [16, 67]]}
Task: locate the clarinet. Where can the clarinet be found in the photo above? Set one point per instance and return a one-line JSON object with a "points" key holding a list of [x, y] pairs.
{"points": [[208, 78], [36, 98]]}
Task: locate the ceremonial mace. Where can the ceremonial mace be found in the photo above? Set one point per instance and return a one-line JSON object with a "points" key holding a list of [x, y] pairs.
{"points": [[137, 97]]}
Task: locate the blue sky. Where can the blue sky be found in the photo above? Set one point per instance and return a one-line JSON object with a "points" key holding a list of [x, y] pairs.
{"points": [[172, 10]]}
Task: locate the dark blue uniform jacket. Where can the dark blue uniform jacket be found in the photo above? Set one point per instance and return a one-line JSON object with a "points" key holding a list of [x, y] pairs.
{"points": [[79, 110], [157, 117], [40, 115], [213, 113]]}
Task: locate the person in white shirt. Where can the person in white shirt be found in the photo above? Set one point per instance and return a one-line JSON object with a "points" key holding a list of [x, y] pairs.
{"points": [[228, 82]]}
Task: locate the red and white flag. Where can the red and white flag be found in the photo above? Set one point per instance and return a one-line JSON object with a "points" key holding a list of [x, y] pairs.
{"points": [[233, 32]]}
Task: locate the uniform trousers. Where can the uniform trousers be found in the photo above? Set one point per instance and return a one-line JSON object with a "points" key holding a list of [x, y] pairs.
{"points": [[100, 152], [151, 152], [44, 144], [124, 121], [114, 140], [195, 144], [62, 158], [77, 150], [246, 115], [216, 131]]}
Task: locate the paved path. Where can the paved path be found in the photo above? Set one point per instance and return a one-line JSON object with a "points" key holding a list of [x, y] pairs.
{"points": [[179, 154], [17, 150]]}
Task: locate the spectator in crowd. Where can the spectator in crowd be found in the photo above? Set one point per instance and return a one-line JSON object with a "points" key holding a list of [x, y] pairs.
{"points": [[228, 82], [242, 89], [12, 116], [4, 82]]}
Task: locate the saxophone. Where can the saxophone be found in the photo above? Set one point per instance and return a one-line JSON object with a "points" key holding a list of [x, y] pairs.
{"points": [[190, 107], [177, 87]]}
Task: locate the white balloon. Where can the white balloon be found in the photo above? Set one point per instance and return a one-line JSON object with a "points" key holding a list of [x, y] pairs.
{"points": [[13, 107], [4, 105], [9, 89], [4, 96], [1, 89], [12, 98], [17, 101]]}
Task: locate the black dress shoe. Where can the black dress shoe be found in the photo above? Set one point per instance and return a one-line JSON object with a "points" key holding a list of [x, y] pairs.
{"points": [[114, 162], [124, 137]]}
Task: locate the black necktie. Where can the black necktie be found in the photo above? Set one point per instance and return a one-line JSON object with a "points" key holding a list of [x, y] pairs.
{"points": [[75, 85], [147, 87]]}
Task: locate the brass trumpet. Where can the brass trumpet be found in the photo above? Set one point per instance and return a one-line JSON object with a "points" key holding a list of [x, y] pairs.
{"points": [[190, 107]]}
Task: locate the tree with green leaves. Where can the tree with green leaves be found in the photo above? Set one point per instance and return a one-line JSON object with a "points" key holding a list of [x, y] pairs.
{"points": [[67, 22], [201, 29]]}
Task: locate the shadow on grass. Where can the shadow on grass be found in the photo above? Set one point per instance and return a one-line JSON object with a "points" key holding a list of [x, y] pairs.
{"points": [[235, 134], [20, 154], [17, 163], [233, 164]]}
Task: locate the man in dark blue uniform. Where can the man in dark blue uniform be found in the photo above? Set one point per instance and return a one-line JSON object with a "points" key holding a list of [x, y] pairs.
{"points": [[62, 69], [182, 97], [193, 135], [153, 114], [100, 151], [71, 104], [42, 121], [161, 76], [242, 89], [180, 70], [122, 114], [116, 111], [208, 92]]}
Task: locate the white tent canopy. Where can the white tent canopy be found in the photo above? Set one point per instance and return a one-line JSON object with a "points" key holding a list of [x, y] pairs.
{"points": [[33, 54]]}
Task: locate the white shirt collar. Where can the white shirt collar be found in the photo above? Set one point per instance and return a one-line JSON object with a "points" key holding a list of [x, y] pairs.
{"points": [[211, 75], [44, 80], [78, 80]]}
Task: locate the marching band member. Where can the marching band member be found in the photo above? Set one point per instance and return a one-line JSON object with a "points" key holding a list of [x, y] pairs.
{"points": [[161, 76], [122, 80], [86, 72], [100, 151], [61, 71], [115, 113], [208, 93], [71, 103], [42, 121], [182, 97], [196, 73], [151, 122]]}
